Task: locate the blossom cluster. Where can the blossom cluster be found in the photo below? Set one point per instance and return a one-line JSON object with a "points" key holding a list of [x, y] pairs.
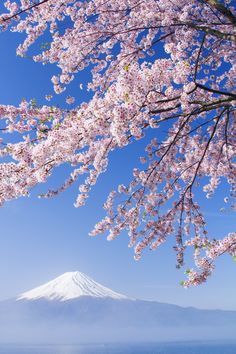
{"points": [[155, 64]]}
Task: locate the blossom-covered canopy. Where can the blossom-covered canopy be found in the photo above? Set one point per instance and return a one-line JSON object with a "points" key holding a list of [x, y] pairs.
{"points": [[155, 64]]}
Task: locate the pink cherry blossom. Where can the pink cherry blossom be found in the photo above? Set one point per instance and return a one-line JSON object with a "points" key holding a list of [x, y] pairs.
{"points": [[155, 64]]}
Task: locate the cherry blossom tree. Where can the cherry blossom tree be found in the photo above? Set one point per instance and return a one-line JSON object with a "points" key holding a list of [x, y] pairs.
{"points": [[155, 64]]}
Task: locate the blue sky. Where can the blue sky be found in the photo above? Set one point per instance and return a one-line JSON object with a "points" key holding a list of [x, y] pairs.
{"points": [[41, 239]]}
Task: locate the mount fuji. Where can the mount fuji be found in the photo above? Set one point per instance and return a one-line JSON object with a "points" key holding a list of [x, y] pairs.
{"points": [[68, 286], [75, 308]]}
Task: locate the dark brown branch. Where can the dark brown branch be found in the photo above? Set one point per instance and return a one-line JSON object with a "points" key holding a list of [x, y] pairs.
{"points": [[198, 57], [215, 91], [212, 31], [222, 9], [205, 151], [24, 10]]}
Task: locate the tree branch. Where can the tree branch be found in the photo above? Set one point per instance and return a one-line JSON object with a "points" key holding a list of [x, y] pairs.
{"points": [[24, 10], [222, 9]]}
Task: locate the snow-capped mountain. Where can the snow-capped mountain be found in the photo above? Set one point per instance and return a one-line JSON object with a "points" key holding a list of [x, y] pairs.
{"points": [[68, 286], [74, 308]]}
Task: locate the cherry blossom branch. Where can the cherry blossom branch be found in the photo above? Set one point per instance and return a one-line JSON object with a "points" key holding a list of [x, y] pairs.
{"points": [[222, 9], [23, 11]]}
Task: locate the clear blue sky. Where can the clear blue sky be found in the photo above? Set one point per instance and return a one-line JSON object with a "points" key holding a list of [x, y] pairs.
{"points": [[40, 239]]}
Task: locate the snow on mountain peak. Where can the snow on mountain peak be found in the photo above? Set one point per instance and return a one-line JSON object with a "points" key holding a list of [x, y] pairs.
{"points": [[70, 285]]}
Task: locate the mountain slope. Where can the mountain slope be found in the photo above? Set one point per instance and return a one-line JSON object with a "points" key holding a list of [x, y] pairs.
{"points": [[68, 286]]}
